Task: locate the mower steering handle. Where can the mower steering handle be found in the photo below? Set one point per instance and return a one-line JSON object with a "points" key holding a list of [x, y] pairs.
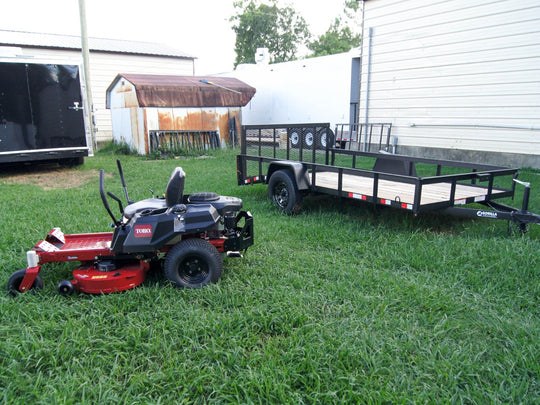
{"points": [[104, 197]]}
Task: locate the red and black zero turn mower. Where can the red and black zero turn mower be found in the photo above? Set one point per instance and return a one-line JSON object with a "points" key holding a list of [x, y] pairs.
{"points": [[188, 233]]}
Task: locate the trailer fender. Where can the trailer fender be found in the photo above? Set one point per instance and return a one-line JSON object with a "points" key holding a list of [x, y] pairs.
{"points": [[298, 170]]}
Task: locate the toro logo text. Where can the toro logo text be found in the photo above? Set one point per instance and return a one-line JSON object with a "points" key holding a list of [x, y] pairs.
{"points": [[143, 231]]}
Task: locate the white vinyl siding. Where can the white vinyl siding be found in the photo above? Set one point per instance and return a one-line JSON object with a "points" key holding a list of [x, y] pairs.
{"points": [[104, 67], [456, 74]]}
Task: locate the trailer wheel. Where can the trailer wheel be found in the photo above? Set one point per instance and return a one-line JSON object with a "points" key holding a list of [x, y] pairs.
{"points": [[294, 137], [325, 138], [283, 192], [193, 263], [309, 138], [16, 279]]}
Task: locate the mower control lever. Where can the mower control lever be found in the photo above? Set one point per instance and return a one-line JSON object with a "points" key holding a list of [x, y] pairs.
{"points": [[104, 197], [115, 198], [128, 201]]}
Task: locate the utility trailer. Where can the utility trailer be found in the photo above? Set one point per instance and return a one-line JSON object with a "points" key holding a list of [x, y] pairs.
{"points": [[41, 114], [270, 154]]}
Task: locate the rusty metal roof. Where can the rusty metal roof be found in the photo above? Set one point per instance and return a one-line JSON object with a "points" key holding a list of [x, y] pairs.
{"points": [[187, 91]]}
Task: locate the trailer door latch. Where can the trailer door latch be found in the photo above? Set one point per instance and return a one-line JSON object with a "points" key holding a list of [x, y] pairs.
{"points": [[76, 106]]}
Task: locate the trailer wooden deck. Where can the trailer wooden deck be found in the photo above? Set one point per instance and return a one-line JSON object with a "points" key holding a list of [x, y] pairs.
{"points": [[401, 192]]}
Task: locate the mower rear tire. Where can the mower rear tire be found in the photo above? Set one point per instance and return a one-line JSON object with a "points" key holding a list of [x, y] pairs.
{"points": [[193, 263], [16, 279], [283, 192]]}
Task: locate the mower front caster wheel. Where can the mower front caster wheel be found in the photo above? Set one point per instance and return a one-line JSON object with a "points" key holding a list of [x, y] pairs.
{"points": [[14, 282], [65, 288], [193, 263]]}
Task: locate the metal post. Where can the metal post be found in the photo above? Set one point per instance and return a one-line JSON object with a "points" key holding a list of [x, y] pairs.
{"points": [[368, 79], [86, 67]]}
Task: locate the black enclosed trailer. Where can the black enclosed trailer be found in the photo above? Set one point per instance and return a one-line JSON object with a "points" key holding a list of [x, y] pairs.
{"points": [[41, 113], [295, 160]]}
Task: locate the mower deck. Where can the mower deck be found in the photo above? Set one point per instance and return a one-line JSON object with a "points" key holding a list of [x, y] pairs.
{"points": [[58, 247], [89, 278]]}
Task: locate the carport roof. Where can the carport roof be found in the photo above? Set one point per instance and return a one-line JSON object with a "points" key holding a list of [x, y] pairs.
{"points": [[186, 91]]}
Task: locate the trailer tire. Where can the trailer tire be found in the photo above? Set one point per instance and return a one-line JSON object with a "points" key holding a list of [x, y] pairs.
{"points": [[325, 138], [295, 138], [16, 279], [283, 192], [193, 263], [309, 139]]}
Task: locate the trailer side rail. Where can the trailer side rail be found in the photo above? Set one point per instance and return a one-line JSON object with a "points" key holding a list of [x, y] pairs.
{"points": [[399, 191]]}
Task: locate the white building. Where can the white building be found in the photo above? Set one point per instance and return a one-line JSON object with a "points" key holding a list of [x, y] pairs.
{"points": [[456, 78], [108, 57], [313, 90]]}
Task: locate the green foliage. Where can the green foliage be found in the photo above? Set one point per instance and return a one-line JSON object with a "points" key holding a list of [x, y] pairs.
{"points": [[336, 40], [338, 305], [163, 152], [259, 25], [115, 148], [339, 37]]}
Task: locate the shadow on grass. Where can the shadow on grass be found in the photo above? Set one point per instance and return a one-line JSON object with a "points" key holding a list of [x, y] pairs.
{"points": [[397, 220]]}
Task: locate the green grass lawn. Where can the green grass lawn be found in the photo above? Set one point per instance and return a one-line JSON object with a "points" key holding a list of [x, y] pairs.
{"points": [[339, 304]]}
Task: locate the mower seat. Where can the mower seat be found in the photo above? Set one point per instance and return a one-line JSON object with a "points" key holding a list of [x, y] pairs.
{"points": [[174, 194]]}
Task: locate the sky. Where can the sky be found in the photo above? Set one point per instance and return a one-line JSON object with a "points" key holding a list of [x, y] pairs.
{"points": [[200, 28]]}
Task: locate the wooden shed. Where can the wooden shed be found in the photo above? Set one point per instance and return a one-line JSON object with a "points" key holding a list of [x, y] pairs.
{"points": [[155, 111]]}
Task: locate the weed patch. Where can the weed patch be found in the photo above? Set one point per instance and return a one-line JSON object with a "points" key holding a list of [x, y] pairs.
{"points": [[49, 178]]}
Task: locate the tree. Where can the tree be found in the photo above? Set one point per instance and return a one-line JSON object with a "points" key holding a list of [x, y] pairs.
{"points": [[339, 37], [260, 25]]}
